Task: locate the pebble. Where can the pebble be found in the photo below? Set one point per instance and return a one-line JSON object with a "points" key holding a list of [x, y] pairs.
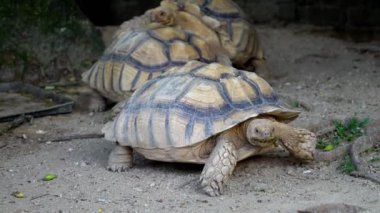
{"points": [[138, 189], [40, 132], [103, 200], [306, 172]]}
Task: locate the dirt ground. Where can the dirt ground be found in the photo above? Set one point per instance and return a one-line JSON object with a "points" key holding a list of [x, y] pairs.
{"points": [[334, 78]]}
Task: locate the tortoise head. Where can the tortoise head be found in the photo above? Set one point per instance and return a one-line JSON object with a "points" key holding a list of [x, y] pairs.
{"points": [[260, 132], [165, 13]]}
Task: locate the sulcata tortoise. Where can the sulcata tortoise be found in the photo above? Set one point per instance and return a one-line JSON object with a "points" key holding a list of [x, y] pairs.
{"points": [[137, 55], [209, 114], [221, 22]]}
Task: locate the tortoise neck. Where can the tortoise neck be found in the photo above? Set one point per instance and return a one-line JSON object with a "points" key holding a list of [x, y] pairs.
{"points": [[235, 134], [190, 22]]}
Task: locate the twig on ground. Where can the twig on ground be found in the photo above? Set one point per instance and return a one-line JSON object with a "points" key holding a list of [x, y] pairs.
{"points": [[39, 196], [360, 145], [16, 123], [77, 137]]}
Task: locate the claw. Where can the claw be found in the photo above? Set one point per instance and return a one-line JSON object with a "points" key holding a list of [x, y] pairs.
{"points": [[118, 168]]}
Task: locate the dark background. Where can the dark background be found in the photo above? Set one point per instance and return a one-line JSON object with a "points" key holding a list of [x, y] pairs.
{"points": [[349, 16], [44, 41]]}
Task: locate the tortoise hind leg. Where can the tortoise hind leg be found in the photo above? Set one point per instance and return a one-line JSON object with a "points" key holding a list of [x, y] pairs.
{"points": [[219, 167], [91, 101], [120, 159]]}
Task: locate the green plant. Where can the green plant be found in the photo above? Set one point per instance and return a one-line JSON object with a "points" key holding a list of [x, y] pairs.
{"points": [[47, 15], [352, 129], [34, 34], [344, 131], [375, 159], [295, 104], [347, 166]]}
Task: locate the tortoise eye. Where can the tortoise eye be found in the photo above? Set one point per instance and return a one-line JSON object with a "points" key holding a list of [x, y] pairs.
{"points": [[256, 130], [162, 13]]}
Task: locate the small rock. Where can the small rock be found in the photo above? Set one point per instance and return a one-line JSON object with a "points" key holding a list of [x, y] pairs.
{"points": [[83, 164], [103, 200], [306, 172], [138, 189], [40, 132], [290, 171]]}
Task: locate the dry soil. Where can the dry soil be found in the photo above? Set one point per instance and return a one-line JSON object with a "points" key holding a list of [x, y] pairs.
{"points": [[334, 78]]}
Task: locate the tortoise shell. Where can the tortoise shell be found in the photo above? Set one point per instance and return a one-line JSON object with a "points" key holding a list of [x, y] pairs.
{"points": [[236, 35], [242, 40], [137, 55], [188, 105]]}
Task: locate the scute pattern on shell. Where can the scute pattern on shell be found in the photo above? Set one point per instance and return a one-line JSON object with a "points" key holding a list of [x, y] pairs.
{"points": [[189, 104], [220, 8], [138, 55], [242, 41]]}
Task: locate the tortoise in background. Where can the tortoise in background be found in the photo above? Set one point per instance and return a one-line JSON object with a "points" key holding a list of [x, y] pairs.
{"points": [[221, 22], [209, 114], [140, 54]]}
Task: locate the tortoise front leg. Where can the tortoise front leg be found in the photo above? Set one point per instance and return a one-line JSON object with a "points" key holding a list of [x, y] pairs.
{"points": [[219, 167], [120, 159], [260, 67], [299, 142]]}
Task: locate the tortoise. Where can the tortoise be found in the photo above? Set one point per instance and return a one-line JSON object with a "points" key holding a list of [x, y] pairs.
{"points": [[210, 114], [139, 54], [233, 31]]}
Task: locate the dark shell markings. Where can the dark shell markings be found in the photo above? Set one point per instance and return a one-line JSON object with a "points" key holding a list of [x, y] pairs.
{"points": [[139, 55], [207, 97]]}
